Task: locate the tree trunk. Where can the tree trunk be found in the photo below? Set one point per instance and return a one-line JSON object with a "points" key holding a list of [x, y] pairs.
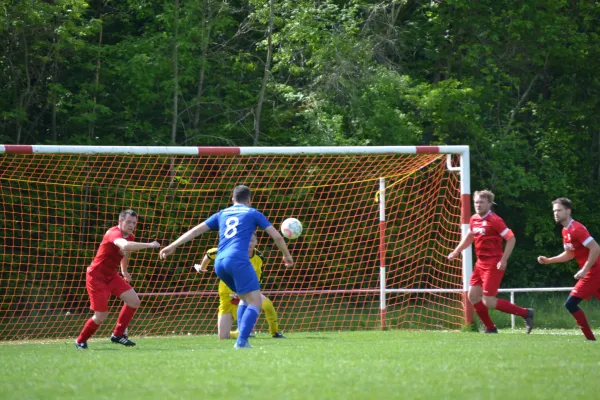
{"points": [[261, 97], [92, 124], [175, 89], [206, 39], [23, 95], [53, 99]]}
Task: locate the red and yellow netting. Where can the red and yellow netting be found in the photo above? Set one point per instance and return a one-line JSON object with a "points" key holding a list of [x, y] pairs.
{"points": [[56, 207]]}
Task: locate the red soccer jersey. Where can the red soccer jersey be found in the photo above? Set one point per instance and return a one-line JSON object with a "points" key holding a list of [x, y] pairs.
{"points": [[109, 256], [489, 231], [575, 238]]}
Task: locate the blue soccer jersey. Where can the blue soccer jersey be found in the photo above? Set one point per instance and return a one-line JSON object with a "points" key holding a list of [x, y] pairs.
{"points": [[236, 225]]}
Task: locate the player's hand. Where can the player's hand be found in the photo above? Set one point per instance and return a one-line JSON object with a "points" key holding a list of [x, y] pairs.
{"points": [[288, 261], [452, 255], [166, 252], [126, 276], [543, 260], [501, 265], [155, 245], [235, 300], [580, 274]]}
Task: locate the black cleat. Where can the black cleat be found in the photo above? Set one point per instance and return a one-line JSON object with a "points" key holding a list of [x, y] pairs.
{"points": [[81, 346], [122, 340], [278, 335], [493, 330], [529, 320]]}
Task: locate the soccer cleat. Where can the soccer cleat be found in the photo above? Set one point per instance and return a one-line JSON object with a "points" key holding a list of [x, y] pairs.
{"points": [[493, 330], [529, 320], [242, 344], [278, 335], [81, 346], [122, 340]]}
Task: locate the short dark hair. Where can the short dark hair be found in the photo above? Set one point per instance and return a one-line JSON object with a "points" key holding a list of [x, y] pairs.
{"points": [[125, 213], [563, 201], [241, 194]]}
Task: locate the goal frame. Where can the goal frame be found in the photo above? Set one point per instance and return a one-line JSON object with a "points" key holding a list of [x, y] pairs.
{"points": [[463, 170]]}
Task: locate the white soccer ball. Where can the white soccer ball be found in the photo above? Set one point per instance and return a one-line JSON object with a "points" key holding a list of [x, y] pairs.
{"points": [[291, 228]]}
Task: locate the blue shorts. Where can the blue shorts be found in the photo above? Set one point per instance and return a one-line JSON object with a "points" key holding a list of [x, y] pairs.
{"points": [[238, 274]]}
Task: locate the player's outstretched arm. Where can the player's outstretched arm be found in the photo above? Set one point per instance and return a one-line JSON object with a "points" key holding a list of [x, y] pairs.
{"points": [[127, 246], [562, 257], [464, 243], [186, 237], [280, 242], [203, 266]]}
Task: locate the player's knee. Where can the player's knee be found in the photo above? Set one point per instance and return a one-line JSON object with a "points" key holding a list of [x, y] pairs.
{"points": [[572, 304], [134, 303], [489, 301], [100, 317], [474, 298]]}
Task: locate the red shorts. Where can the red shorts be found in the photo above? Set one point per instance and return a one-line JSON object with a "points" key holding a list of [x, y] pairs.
{"points": [[488, 276], [100, 287], [587, 287]]}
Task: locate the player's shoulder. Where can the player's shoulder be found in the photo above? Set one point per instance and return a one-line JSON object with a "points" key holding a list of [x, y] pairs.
{"points": [[113, 232], [576, 226]]}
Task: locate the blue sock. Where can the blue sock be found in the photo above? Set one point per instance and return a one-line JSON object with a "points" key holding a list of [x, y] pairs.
{"points": [[240, 312], [247, 323]]}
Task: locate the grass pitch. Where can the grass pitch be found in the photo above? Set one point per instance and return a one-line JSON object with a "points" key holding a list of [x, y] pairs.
{"points": [[345, 365]]}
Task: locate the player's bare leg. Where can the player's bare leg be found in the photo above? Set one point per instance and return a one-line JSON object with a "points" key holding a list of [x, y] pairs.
{"points": [[476, 298], [225, 322], [100, 317], [132, 302]]}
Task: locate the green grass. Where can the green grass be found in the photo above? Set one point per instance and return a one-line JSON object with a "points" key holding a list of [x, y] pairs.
{"points": [[345, 365]]}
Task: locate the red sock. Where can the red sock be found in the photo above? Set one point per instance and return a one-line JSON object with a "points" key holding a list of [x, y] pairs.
{"points": [[507, 307], [484, 315], [125, 317], [89, 329], [583, 324]]}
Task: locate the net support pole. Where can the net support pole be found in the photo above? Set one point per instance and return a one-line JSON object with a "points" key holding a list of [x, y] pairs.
{"points": [[465, 214], [382, 272]]}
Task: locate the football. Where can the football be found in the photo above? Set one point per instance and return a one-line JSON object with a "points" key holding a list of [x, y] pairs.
{"points": [[291, 228]]}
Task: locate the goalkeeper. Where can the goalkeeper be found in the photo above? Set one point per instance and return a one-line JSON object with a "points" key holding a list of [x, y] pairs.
{"points": [[228, 300]]}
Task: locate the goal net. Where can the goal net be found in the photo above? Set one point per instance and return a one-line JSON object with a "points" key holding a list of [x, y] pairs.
{"points": [[378, 225]]}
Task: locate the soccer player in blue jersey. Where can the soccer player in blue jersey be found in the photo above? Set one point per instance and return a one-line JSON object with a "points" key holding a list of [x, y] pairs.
{"points": [[236, 225], [228, 300]]}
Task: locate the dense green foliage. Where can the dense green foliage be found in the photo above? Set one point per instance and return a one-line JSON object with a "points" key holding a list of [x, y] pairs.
{"points": [[517, 81]]}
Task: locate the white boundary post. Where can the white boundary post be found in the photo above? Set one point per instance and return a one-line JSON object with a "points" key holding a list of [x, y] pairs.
{"points": [[382, 268], [467, 256]]}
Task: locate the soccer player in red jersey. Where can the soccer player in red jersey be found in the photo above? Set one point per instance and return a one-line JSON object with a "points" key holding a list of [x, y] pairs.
{"points": [[102, 280], [578, 244], [488, 230]]}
